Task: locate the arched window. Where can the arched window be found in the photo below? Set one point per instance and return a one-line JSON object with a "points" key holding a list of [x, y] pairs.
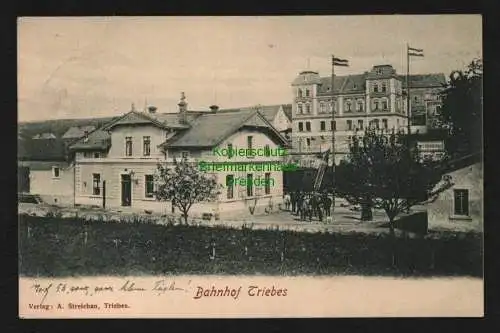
{"points": [[348, 106], [375, 104]]}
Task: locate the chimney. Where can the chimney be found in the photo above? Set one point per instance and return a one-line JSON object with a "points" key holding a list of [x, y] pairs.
{"points": [[183, 108], [152, 109], [214, 108]]}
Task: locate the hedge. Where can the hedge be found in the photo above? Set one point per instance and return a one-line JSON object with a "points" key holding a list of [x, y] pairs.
{"points": [[51, 246]]}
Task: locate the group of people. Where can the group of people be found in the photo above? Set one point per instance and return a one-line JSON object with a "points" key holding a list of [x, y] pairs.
{"points": [[308, 205]]}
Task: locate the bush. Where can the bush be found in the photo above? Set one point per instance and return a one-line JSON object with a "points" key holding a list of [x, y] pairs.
{"points": [[59, 247]]}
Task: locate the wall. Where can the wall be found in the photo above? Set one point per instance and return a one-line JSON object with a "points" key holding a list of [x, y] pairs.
{"points": [[58, 191], [440, 212]]}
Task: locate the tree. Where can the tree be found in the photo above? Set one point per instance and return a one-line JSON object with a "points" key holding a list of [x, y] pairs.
{"points": [[462, 109], [384, 172], [184, 185]]}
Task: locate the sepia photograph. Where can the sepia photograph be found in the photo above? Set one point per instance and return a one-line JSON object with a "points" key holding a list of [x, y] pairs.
{"points": [[250, 166]]}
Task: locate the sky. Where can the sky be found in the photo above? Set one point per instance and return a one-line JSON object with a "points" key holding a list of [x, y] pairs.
{"points": [[82, 67]]}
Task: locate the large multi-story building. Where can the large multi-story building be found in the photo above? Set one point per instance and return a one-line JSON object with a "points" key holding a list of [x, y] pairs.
{"points": [[373, 99]]}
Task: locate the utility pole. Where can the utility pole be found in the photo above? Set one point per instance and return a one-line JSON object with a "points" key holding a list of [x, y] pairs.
{"points": [[333, 135], [408, 100], [344, 63]]}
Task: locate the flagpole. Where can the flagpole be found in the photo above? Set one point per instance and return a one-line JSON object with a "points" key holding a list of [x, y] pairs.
{"points": [[408, 108], [333, 135]]}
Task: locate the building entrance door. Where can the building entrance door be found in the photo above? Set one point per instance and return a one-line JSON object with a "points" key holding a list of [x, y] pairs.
{"points": [[126, 190]]}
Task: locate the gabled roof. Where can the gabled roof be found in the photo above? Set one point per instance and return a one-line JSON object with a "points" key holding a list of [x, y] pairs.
{"points": [[343, 84], [209, 130], [287, 109], [76, 132], [270, 111], [424, 80], [41, 150], [462, 162], [350, 84], [100, 139]]}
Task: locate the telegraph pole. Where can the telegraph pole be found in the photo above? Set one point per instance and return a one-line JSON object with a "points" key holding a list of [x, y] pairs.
{"points": [[408, 108]]}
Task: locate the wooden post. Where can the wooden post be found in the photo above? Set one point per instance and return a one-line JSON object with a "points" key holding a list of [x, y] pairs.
{"points": [[104, 194]]}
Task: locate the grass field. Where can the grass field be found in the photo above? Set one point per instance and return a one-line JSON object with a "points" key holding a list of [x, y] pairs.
{"points": [[51, 246]]}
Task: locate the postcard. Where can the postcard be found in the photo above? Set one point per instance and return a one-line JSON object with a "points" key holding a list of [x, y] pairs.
{"points": [[250, 167]]}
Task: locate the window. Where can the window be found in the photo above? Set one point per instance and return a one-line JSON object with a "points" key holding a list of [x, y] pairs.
{"points": [[308, 126], [461, 200], [267, 178], [96, 180], [322, 126], [349, 125], [249, 185], [249, 142], [55, 172], [301, 127], [308, 108], [230, 186], [322, 107], [307, 93], [377, 124], [438, 110], [148, 186], [308, 142], [348, 106], [128, 146], [300, 93], [299, 108], [397, 123], [360, 124], [375, 87], [146, 147], [384, 104], [360, 106], [267, 150], [333, 125], [384, 87], [384, 124], [229, 150], [96, 155], [87, 154]]}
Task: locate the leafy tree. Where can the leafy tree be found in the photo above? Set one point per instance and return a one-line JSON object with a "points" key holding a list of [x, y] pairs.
{"points": [[462, 109], [384, 172], [184, 185]]}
